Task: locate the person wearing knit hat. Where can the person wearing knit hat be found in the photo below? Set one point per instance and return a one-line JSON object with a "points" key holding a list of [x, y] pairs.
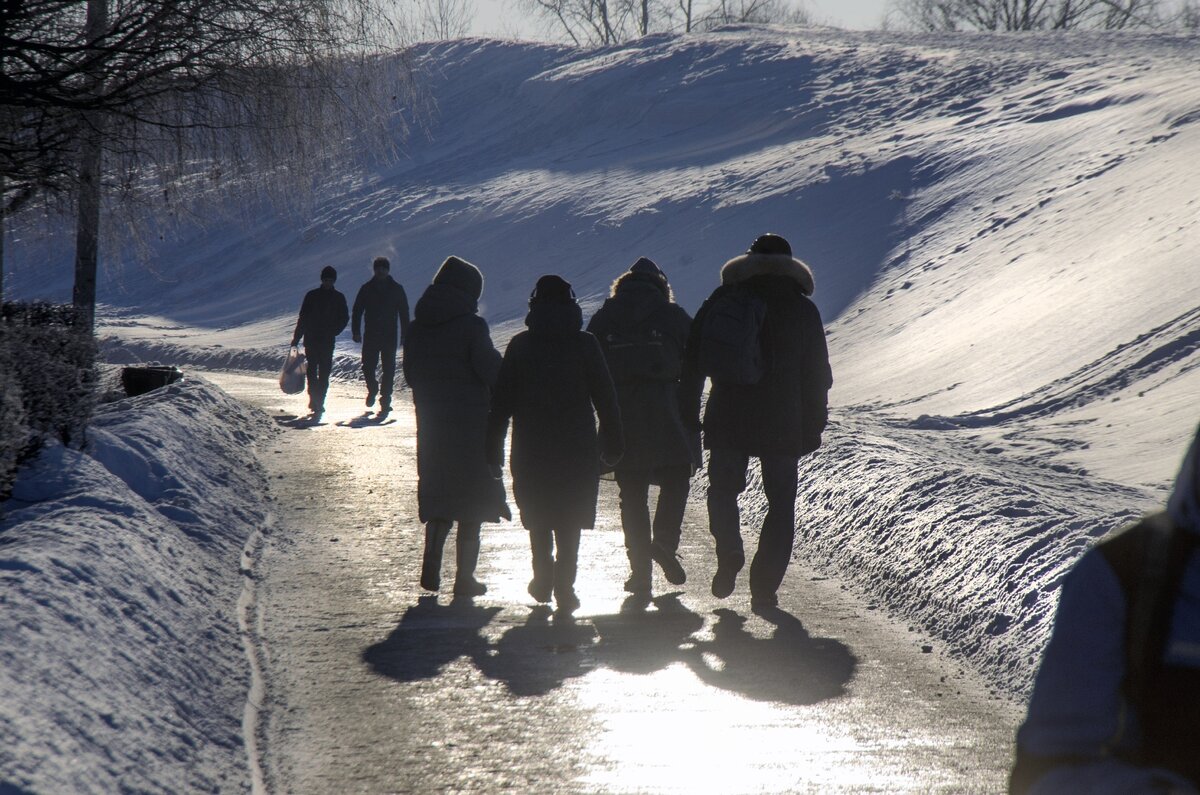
{"points": [[381, 303], [775, 411], [323, 315], [643, 334], [552, 385], [451, 366]]}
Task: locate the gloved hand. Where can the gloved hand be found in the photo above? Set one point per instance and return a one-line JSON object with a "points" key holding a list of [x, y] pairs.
{"points": [[610, 459], [357, 337], [496, 471]]}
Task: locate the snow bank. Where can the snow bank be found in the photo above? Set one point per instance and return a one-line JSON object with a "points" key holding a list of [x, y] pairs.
{"points": [[121, 663]]}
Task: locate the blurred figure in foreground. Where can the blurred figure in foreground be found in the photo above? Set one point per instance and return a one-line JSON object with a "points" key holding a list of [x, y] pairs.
{"points": [[323, 315], [451, 365], [1116, 704], [643, 333], [552, 377]]}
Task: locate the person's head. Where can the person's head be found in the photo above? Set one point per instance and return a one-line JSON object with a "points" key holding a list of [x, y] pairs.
{"points": [[552, 289], [771, 245], [328, 277], [382, 267], [769, 254], [461, 275]]}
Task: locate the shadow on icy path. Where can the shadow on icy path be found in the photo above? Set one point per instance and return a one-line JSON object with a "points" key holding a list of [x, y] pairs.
{"points": [[538, 656]]}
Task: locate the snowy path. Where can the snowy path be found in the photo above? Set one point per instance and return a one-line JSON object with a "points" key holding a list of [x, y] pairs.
{"points": [[375, 687]]}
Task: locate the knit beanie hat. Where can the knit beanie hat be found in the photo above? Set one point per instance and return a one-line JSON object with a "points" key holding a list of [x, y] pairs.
{"points": [[552, 288], [461, 275], [328, 272], [770, 244], [647, 267]]}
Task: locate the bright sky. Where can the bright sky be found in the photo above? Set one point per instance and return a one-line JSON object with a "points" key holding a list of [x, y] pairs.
{"points": [[506, 18]]}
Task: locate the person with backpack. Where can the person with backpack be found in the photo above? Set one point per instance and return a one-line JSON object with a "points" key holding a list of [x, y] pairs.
{"points": [[323, 315], [642, 332], [452, 365], [381, 302], [1115, 706], [760, 340], [553, 383]]}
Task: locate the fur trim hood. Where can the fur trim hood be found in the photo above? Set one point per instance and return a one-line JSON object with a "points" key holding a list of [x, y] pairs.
{"points": [[1184, 505], [741, 268]]}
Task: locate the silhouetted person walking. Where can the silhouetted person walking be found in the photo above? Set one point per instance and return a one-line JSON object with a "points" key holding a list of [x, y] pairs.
{"points": [[323, 315], [1116, 703], [552, 377], [381, 303], [451, 365], [642, 332], [760, 339]]}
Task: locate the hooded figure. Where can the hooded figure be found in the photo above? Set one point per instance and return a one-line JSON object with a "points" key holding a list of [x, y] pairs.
{"points": [[451, 365], [552, 384], [1116, 703], [778, 419], [643, 333]]}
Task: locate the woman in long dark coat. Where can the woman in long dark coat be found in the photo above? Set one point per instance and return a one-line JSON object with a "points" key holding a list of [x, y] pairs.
{"points": [[452, 365], [552, 378]]}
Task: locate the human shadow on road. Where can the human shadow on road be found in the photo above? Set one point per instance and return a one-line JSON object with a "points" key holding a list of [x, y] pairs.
{"points": [[644, 641], [538, 656], [429, 637], [368, 419], [789, 666], [299, 422]]}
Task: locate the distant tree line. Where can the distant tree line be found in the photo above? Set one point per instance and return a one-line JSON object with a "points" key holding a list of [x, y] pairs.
{"points": [[602, 22], [1033, 15]]}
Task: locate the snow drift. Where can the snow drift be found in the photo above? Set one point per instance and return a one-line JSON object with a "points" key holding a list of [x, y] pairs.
{"points": [[1002, 229]]}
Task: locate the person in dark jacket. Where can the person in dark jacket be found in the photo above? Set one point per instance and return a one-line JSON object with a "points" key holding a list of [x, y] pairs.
{"points": [[1115, 706], [451, 366], [323, 315], [381, 302], [552, 378], [642, 332], [777, 420]]}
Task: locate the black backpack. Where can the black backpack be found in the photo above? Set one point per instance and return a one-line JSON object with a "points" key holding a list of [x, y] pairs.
{"points": [[730, 341], [642, 353]]}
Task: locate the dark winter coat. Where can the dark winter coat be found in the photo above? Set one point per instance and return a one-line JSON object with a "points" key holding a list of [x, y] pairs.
{"points": [[786, 411], [382, 302], [552, 377], [640, 321], [323, 315], [451, 366]]}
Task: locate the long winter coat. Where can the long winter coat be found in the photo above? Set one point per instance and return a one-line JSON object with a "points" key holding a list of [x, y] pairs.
{"points": [[1080, 722], [786, 411], [640, 322], [451, 366], [383, 303], [552, 377], [323, 315]]}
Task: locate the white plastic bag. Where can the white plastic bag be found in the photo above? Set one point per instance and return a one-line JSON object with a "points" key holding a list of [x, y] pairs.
{"points": [[291, 377]]}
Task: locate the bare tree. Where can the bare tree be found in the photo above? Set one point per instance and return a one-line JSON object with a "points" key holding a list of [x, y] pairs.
{"points": [[177, 98], [442, 20], [603, 22]]}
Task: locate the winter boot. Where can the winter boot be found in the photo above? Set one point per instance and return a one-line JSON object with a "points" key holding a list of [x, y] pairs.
{"points": [[640, 579], [541, 544], [724, 580], [565, 565], [466, 558], [669, 563], [436, 531]]}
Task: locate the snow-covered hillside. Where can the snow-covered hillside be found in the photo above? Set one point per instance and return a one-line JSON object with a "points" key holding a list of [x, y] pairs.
{"points": [[1003, 231]]}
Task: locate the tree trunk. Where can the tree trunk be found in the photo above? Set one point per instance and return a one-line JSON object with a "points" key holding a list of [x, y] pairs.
{"points": [[87, 224]]}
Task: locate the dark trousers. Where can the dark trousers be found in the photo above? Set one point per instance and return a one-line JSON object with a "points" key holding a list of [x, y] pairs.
{"points": [[558, 569], [727, 480], [668, 513], [320, 362], [373, 351]]}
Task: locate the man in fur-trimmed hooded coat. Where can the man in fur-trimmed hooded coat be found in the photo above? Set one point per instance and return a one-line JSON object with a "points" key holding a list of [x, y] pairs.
{"points": [[777, 420], [451, 365]]}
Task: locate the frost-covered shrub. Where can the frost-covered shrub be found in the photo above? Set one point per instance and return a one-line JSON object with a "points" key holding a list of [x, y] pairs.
{"points": [[47, 381]]}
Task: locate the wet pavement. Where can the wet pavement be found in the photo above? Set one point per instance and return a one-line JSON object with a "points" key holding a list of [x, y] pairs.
{"points": [[376, 686]]}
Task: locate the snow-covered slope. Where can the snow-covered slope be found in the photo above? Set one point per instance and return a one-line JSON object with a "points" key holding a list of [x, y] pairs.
{"points": [[1003, 231]]}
